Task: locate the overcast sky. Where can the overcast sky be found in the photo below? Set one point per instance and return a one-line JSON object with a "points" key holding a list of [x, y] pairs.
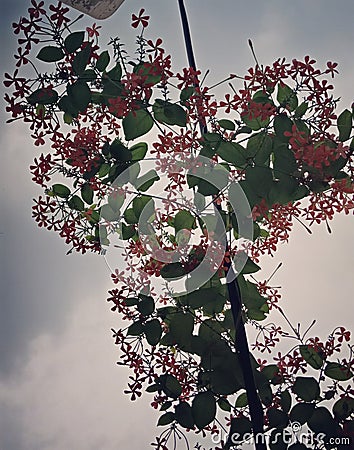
{"points": [[59, 385]]}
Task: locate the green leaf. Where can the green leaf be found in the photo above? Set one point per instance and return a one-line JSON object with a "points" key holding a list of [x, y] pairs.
{"points": [[146, 305], [343, 408], [140, 202], [285, 401], [337, 372], [181, 327], [241, 400], [79, 94], [307, 388], [173, 270], [43, 96], [127, 231], [203, 409], [115, 201], [74, 41], [87, 193], [233, 153], [60, 190], [81, 59], [146, 181], [344, 124], [311, 356], [136, 124], [277, 441], [186, 93], [138, 151], [183, 414], [103, 61], [301, 109], [227, 124], [184, 220], [286, 96], [76, 203], [240, 426], [166, 419], [301, 412], [224, 404], [250, 267], [153, 388], [282, 123], [153, 331], [169, 113], [136, 329], [277, 418], [50, 54], [259, 148], [170, 385], [130, 216], [321, 421]]}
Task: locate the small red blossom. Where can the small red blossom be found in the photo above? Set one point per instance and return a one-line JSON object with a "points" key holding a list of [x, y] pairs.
{"points": [[140, 19]]}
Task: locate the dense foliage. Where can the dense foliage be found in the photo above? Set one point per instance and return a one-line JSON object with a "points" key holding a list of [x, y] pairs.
{"points": [[214, 185]]}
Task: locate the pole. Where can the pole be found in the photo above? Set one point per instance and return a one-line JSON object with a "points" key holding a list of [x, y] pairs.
{"points": [[241, 342]]}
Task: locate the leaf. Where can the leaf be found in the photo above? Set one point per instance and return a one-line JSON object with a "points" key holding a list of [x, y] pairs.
{"points": [[301, 412], [115, 201], [183, 414], [307, 388], [136, 124], [170, 385], [224, 404], [146, 181], [138, 151], [81, 59], [311, 356], [79, 94], [241, 400], [87, 193], [43, 96], [130, 216], [135, 329], [285, 401], [169, 113], [166, 419], [140, 202], [250, 267], [127, 231], [146, 305], [153, 331], [76, 203], [301, 109], [344, 124], [282, 123], [173, 270], [337, 372], [286, 96], [203, 409], [74, 41], [227, 124], [321, 421], [184, 220], [343, 408], [186, 93], [103, 61], [277, 418], [233, 153], [259, 148], [60, 190], [50, 54]]}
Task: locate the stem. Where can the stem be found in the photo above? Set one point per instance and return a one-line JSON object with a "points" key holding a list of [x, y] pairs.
{"points": [[255, 406]]}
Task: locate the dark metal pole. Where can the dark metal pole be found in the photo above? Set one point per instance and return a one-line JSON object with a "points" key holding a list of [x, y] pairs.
{"points": [[255, 406]]}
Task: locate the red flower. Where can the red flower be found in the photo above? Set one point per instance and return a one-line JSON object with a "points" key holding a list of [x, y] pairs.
{"points": [[92, 32], [140, 19]]}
